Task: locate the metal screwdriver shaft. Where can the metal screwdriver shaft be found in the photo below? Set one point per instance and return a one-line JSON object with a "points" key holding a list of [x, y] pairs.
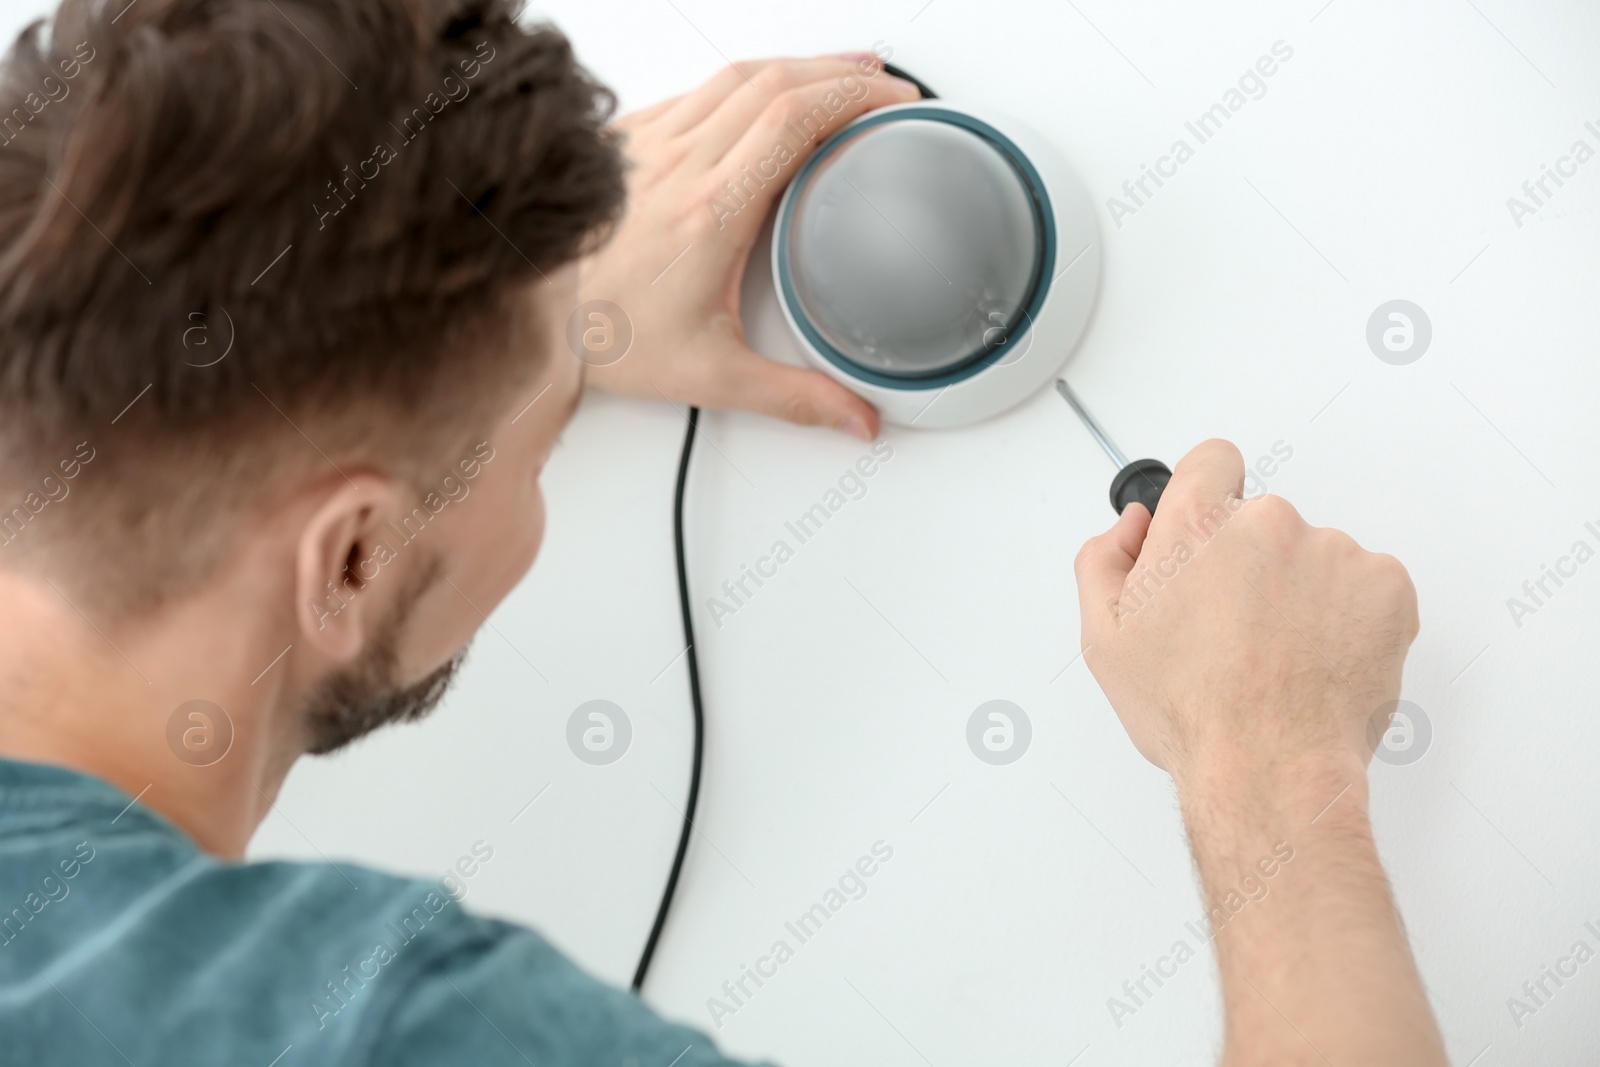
{"points": [[1142, 480], [1098, 431]]}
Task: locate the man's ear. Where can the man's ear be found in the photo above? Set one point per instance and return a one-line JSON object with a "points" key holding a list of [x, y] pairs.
{"points": [[335, 564]]}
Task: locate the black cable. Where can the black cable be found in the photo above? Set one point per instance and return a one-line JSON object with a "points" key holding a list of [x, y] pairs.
{"points": [[694, 667], [694, 699]]}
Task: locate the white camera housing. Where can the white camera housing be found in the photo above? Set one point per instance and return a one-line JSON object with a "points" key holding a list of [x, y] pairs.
{"points": [[940, 261]]}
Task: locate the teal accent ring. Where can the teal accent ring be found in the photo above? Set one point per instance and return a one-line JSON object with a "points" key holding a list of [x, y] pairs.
{"points": [[1038, 288]]}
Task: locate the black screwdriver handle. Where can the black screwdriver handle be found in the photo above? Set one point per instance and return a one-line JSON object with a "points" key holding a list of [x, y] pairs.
{"points": [[1142, 480]]}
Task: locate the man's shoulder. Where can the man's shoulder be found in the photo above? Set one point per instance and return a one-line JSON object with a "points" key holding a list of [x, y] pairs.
{"points": [[124, 940], [162, 947]]}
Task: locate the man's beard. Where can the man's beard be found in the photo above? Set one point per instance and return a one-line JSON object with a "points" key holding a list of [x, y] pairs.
{"points": [[364, 696]]}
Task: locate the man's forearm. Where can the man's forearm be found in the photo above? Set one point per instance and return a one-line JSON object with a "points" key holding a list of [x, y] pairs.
{"points": [[1253, 678], [1315, 966]]}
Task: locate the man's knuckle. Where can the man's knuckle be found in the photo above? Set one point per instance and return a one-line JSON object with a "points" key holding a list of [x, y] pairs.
{"points": [[1275, 518], [775, 78], [798, 408], [1399, 592], [783, 108], [701, 214], [1275, 510], [795, 105], [1391, 573]]}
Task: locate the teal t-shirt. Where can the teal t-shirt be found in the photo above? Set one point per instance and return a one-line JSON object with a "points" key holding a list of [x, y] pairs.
{"points": [[121, 942]]}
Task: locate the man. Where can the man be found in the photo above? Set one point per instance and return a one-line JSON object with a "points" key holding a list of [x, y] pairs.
{"points": [[283, 293]]}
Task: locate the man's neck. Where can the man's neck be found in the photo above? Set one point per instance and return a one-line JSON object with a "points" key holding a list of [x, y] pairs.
{"points": [[166, 709]]}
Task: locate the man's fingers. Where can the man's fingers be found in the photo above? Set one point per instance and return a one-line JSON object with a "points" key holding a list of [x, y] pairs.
{"points": [[801, 116], [1102, 567], [691, 109], [745, 105], [807, 397], [645, 115], [773, 145], [1212, 471]]}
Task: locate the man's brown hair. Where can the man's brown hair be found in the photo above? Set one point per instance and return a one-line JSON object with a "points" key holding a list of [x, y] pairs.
{"points": [[351, 198]]}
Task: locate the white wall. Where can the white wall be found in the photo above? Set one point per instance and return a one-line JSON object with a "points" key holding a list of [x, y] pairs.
{"points": [[1377, 166]]}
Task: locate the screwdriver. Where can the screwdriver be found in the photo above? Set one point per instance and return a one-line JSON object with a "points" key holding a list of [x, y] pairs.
{"points": [[1142, 480]]}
